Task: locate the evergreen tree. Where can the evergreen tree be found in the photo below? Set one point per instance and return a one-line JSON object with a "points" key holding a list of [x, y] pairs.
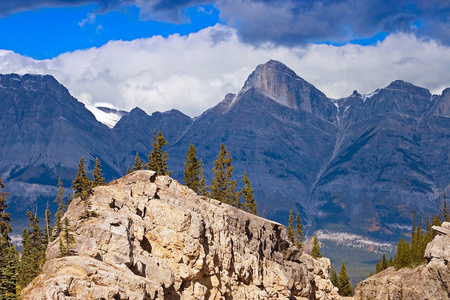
{"points": [[247, 196], [345, 287], [390, 262], [428, 232], [81, 184], [33, 251], [299, 231], [61, 208], [420, 245], [5, 219], [157, 159], [98, 177], [47, 229], [334, 277], [290, 229], [66, 240], [138, 164], [192, 170], [446, 212], [403, 255], [222, 187], [315, 252], [9, 261], [69, 199], [8, 253], [202, 184]]}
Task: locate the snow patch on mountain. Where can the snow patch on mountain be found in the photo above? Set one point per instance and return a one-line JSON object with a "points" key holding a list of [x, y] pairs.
{"points": [[107, 115], [354, 240]]}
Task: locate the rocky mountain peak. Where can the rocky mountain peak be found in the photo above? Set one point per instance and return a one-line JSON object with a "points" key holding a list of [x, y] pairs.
{"points": [[409, 87], [153, 238]]}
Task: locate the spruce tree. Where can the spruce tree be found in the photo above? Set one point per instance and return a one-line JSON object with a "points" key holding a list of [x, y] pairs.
{"points": [[222, 187], [299, 231], [97, 174], [8, 252], [5, 219], [33, 251], [138, 164], [403, 255], [202, 184], [61, 208], [66, 240], [334, 277], [290, 229], [48, 236], [345, 287], [157, 159], [247, 196], [81, 184], [192, 170], [315, 252]]}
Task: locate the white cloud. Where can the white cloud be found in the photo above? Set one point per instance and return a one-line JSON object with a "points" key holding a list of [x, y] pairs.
{"points": [[193, 73]]}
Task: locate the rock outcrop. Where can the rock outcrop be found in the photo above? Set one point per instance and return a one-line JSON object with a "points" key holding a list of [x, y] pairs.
{"points": [[430, 281], [152, 238]]}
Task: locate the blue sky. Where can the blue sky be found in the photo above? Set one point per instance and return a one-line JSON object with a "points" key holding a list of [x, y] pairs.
{"points": [[187, 54]]}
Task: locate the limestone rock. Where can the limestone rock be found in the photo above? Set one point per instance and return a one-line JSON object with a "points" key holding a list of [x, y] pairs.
{"points": [[153, 238], [430, 281]]}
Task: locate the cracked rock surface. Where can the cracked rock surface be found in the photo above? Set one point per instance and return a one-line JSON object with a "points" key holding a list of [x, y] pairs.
{"points": [[153, 238]]}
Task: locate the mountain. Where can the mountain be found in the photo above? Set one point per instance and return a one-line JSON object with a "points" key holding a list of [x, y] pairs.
{"points": [[359, 164], [108, 116], [153, 238]]}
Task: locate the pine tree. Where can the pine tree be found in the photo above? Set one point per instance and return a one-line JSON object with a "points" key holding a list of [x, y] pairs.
{"points": [[290, 229], [138, 164], [403, 255], [222, 187], [157, 159], [446, 212], [421, 245], [98, 177], [5, 219], [61, 208], [66, 240], [384, 263], [202, 184], [69, 199], [9, 261], [345, 287], [33, 251], [81, 184], [247, 196], [334, 277], [298, 231], [192, 170], [8, 253], [315, 252], [47, 229]]}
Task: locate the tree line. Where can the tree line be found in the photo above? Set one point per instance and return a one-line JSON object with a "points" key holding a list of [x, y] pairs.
{"points": [[17, 270], [412, 254]]}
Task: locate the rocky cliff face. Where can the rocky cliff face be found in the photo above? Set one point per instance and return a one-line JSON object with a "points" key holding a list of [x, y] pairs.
{"points": [[153, 238], [430, 281]]}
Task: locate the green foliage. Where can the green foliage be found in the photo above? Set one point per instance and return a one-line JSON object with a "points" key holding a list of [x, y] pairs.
{"points": [[61, 208], [47, 228], [157, 159], [247, 196], [98, 177], [298, 231], [334, 277], [315, 252], [403, 255], [66, 240], [345, 287], [222, 187], [193, 172], [5, 219], [33, 251], [9, 261], [138, 163], [81, 184], [290, 229]]}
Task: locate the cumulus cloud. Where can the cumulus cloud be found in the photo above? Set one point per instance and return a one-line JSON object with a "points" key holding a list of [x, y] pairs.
{"points": [[193, 73]]}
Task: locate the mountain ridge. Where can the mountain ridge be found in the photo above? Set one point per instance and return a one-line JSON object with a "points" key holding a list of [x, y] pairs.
{"points": [[332, 160]]}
